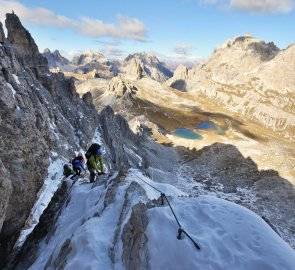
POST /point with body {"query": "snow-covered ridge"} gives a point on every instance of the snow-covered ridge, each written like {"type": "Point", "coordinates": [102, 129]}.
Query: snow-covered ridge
{"type": "Point", "coordinates": [100, 227]}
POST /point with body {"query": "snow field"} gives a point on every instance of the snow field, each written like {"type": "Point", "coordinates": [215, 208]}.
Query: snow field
{"type": "Point", "coordinates": [230, 236]}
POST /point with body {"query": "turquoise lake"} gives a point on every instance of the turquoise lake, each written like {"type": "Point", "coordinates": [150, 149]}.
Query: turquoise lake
{"type": "Point", "coordinates": [187, 134]}
{"type": "Point", "coordinates": [206, 125]}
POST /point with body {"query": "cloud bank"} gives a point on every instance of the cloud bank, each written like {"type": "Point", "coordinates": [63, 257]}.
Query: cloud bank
{"type": "Point", "coordinates": [256, 6]}
{"type": "Point", "coordinates": [183, 49]}
{"type": "Point", "coordinates": [125, 28]}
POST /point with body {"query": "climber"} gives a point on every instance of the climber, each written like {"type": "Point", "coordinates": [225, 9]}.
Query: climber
{"type": "Point", "coordinates": [94, 156]}
{"type": "Point", "coordinates": [78, 165]}
{"type": "Point", "coordinates": [67, 170]}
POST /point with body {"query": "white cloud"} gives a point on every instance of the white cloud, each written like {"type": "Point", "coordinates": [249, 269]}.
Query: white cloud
{"type": "Point", "coordinates": [112, 52]}
{"type": "Point", "coordinates": [183, 49]}
{"type": "Point", "coordinates": [263, 6]}
{"type": "Point", "coordinates": [40, 16]}
{"type": "Point", "coordinates": [256, 6]}
{"type": "Point", "coordinates": [174, 60]}
{"type": "Point", "coordinates": [126, 28]}
{"type": "Point", "coordinates": [130, 28]}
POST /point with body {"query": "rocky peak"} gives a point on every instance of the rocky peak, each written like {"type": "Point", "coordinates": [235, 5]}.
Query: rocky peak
{"type": "Point", "coordinates": [88, 57]}
{"type": "Point", "coordinates": [46, 51]}
{"type": "Point", "coordinates": [143, 57]}
{"type": "Point", "coordinates": [134, 70]}
{"type": "Point", "coordinates": [181, 73]}
{"type": "Point", "coordinates": [55, 59]}
{"type": "Point", "coordinates": [251, 45]}
{"type": "Point", "coordinates": [145, 65]}
{"type": "Point", "coordinates": [22, 40]}
{"type": "Point", "coordinates": [121, 87]}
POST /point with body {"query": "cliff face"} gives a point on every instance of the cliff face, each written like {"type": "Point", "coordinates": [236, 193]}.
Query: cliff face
{"type": "Point", "coordinates": [40, 113]}
{"type": "Point", "coordinates": [25, 44]}
{"type": "Point", "coordinates": [55, 60]}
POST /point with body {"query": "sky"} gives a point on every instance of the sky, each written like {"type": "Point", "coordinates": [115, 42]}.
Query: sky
{"type": "Point", "coordinates": [174, 30]}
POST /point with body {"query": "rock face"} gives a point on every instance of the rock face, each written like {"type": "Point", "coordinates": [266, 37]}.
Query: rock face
{"type": "Point", "coordinates": [181, 73]}
{"type": "Point", "coordinates": [94, 64]}
{"type": "Point", "coordinates": [135, 256]}
{"type": "Point", "coordinates": [250, 77]}
{"type": "Point", "coordinates": [25, 44]}
{"type": "Point", "coordinates": [2, 35]}
{"type": "Point", "coordinates": [88, 57]}
{"type": "Point", "coordinates": [134, 70]}
{"type": "Point", "coordinates": [138, 65]}
{"type": "Point", "coordinates": [55, 59]}
{"type": "Point", "coordinates": [40, 113]}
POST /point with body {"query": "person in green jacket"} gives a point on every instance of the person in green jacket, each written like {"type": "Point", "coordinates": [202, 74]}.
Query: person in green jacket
{"type": "Point", "coordinates": [67, 170]}
{"type": "Point", "coordinates": [92, 165]}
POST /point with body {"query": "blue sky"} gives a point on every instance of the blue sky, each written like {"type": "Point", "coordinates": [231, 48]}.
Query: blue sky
{"type": "Point", "coordinates": [183, 30]}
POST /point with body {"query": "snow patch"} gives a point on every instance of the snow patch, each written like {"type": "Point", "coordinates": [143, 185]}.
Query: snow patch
{"type": "Point", "coordinates": [169, 190]}
{"type": "Point", "coordinates": [132, 153]}
{"type": "Point", "coordinates": [16, 78]}
{"type": "Point", "coordinates": [230, 236]}
{"type": "Point", "coordinates": [12, 89]}
{"type": "Point", "coordinates": [54, 177]}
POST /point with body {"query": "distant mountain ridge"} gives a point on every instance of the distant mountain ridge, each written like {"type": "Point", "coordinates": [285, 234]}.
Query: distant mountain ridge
{"type": "Point", "coordinates": [134, 66]}
{"type": "Point", "coordinates": [55, 59]}
{"type": "Point", "coordinates": [141, 65]}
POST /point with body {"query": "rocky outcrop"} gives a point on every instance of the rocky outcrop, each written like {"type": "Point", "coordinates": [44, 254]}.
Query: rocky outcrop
{"type": "Point", "coordinates": [88, 57]}
{"type": "Point", "coordinates": [223, 170]}
{"type": "Point", "coordinates": [2, 35]}
{"type": "Point", "coordinates": [44, 229]}
{"type": "Point", "coordinates": [91, 65]}
{"type": "Point", "coordinates": [119, 140]}
{"type": "Point", "coordinates": [138, 65]}
{"type": "Point", "coordinates": [21, 39]}
{"type": "Point", "coordinates": [40, 113]}
{"type": "Point", "coordinates": [55, 59]}
{"type": "Point", "coordinates": [181, 74]}
{"type": "Point", "coordinates": [134, 70]}
{"type": "Point", "coordinates": [135, 254]}
{"type": "Point", "coordinates": [5, 192]}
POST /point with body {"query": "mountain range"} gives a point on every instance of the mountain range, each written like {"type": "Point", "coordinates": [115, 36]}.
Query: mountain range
{"type": "Point", "coordinates": [199, 164]}
{"type": "Point", "coordinates": [94, 65]}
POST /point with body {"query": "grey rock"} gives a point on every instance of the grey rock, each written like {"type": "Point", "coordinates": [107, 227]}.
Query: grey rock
{"type": "Point", "coordinates": [44, 229]}
{"type": "Point", "coordinates": [55, 59]}
{"type": "Point", "coordinates": [21, 39]}
{"type": "Point", "coordinates": [139, 65]}
{"type": "Point", "coordinates": [2, 35]}
{"type": "Point", "coordinates": [135, 254]}
{"type": "Point", "coordinates": [39, 113]}
{"type": "Point", "coordinates": [87, 98]}
{"type": "Point", "coordinates": [5, 192]}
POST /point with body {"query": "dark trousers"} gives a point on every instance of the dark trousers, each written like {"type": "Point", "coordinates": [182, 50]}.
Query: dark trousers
{"type": "Point", "coordinates": [92, 175]}
{"type": "Point", "coordinates": [77, 172]}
